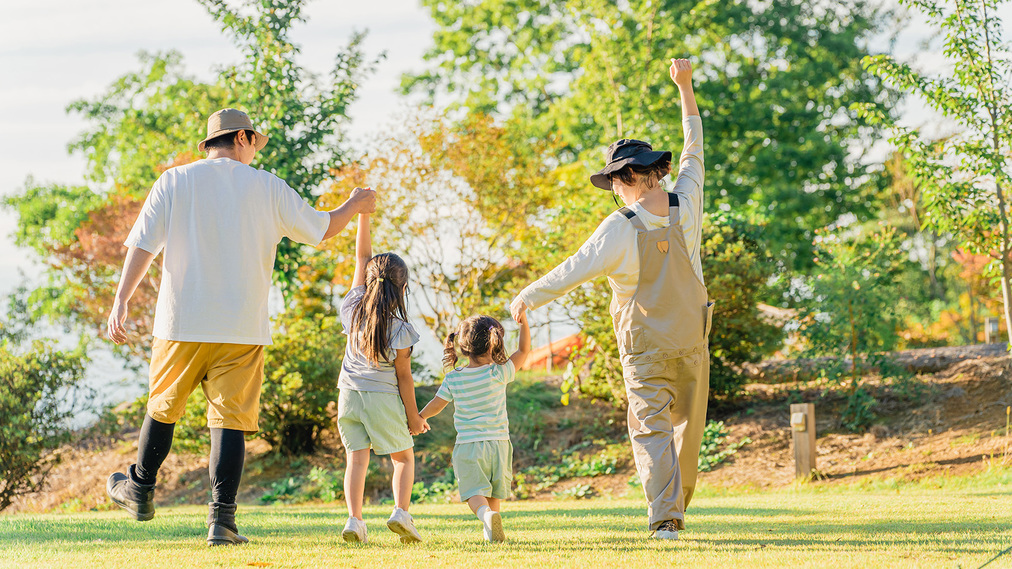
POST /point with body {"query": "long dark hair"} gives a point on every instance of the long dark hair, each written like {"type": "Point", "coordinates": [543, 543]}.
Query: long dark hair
{"type": "Point", "coordinates": [385, 278]}
{"type": "Point", "coordinates": [476, 336]}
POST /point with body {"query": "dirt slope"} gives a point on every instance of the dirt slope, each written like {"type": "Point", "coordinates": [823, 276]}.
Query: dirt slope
{"type": "Point", "coordinates": [955, 423]}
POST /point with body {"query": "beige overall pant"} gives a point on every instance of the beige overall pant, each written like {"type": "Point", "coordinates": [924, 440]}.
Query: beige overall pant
{"type": "Point", "coordinates": [662, 340]}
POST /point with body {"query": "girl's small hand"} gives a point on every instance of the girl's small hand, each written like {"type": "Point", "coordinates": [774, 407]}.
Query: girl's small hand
{"type": "Point", "coordinates": [417, 425]}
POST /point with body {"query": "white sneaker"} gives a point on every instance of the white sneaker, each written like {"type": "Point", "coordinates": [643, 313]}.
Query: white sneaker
{"type": "Point", "coordinates": [400, 522]}
{"type": "Point", "coordinates": [354, 531]}
{"type": "Point", "coordinates": [668, 530]}
{"type": "Point", "coordinates": [492, 526]}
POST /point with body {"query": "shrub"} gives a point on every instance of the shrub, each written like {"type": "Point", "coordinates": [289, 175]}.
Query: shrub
{"type": "Point", "coordinates": [710, 452]}
{"type": "Point", "coordinates": [301, 370]}
{"type": "Point", "coordinates": [40, 392]}
{"type": "Point", "coordinates": [853, 309]}
{"type": "Point", "coordinates": [300, 381]}
{"type": "Point", "coordinates": [738, 271]}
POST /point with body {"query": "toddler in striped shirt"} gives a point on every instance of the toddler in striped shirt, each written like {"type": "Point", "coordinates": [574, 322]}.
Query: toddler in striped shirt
{"type": "Point", "coordinates": [483, 455]}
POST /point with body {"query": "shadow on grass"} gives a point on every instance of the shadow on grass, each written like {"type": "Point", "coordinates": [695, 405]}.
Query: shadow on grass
{"type": "Point", "coordinates": [571, 528]}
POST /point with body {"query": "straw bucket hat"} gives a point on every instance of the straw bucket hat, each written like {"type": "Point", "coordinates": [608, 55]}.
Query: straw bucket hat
{"type": "Point", "coordinates": [227, 121]}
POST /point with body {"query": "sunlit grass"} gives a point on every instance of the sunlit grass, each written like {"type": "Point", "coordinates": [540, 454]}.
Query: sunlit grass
{"type": "Point", "coordinates": [934, 523]}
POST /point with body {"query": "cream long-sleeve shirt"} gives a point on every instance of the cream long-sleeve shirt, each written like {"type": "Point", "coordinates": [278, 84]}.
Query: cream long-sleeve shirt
{"type": "Point", "coordinates": [612, 251]}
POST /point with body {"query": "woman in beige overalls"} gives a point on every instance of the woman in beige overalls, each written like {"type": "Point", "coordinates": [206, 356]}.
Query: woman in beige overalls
{"type": "Point", "coordinates": [649, 250]}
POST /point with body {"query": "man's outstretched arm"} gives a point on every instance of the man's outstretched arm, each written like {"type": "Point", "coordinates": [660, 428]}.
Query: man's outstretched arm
{"type": "Point", "coordinates": [134, 268]}
{"type": "Point", "coordinates": [361, 200]}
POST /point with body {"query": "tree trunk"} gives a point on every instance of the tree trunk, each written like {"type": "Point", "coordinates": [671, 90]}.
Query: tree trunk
{"type": "Point", "coordinates": [1006, 282]}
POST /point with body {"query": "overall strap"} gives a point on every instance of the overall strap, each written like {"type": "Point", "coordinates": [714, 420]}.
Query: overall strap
{"type": "Point", "coordinates": [636, 221]}
{"type": "Point", "coordinates": [673, 208]}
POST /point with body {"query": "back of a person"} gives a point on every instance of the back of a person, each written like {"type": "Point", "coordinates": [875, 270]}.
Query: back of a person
{"type": "Point", "coordinates": [358, 372]}
{"type": "Point", "coordinates": [221, 238]}
{"type": "Point", "coordinates": [479, 398]}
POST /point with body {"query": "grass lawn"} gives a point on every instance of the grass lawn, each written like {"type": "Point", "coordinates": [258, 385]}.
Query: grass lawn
{"type": "Point", "coordinates": [938, 523]}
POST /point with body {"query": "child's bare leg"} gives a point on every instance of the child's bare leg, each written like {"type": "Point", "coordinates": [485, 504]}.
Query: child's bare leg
{"type": "Point", "coordinates": [493, 503]}
{"type": "Point", "coordinates": [404, 477]}
{"type": "Point", "coordinates": [354, 481]}
{"type": "Point", "coordinates": [476, 502]}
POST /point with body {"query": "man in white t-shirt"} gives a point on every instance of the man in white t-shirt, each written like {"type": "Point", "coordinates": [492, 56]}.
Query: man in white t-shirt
{"type": "Point", "coordinates": [217, 222]}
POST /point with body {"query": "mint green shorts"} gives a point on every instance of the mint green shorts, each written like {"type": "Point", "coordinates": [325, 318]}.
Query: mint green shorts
{"type": "Point", "coordinates": [483, 468]}
{"type": "Point", "coordinates": [367, 419]}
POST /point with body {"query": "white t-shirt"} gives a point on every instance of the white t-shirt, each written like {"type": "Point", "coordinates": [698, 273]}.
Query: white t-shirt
{"type": "Point", "coordinates": [219, 222]}
{"type": "Point", "coordinates": [357, 372]}
{"type": "Point", "coordinates": [612, 250]}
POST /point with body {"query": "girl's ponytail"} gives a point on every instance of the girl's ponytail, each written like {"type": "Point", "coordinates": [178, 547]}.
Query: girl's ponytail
{"type": "Point", "coordinates": [449, 352]}
{"type": "Point", "coordinates": [497, 343]}
{"type": "Point", "coordinates": [475, 337]}
{"type": "Point", "coordinates": [373, 319]}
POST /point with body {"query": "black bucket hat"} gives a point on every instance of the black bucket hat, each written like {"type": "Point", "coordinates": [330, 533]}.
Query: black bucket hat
{"type": "Point", "coordinates": [624, 152]}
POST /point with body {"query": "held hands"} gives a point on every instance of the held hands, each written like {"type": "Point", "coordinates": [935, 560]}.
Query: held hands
{"type": "Point", "coordinates": [519, 311]}
{"type": "Point", "coordinates": [364, 199]}
{"type": "Point", "coordinates": [117, 332]}
{"type": "Point", "coordinates": [681, 72]}
{"type": "Point", "coordinates": [417, 425]}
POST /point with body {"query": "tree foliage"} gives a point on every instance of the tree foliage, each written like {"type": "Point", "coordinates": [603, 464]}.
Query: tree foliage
{"type": "Point", "coordinates": [774, 81]}
{"type": "Point", "coordinates": [964, 177]}
{"type": "Point", "coordinates": [457, 200]}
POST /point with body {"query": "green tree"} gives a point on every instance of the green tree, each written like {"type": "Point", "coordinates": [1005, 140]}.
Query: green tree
{"type": "Point", "coordinates": [965, 177]}
{"type": "Point", "coordinates": [854, 308]}
{"type": "Point", "coordinates": [774, 83]}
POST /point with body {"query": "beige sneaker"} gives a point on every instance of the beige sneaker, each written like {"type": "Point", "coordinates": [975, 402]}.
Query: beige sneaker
{"type": "Point", "coordinates": [354, 531]}
{"type": "Point", "coordinates": [492, 526]}
{"type": "Point", "coordinates": [668, 530]}
{"type": "Point", "coordinates": [400, 522]}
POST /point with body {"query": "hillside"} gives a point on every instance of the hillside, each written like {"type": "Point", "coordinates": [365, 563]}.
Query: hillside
{"type": "Point", "coordinates": [951, 421]}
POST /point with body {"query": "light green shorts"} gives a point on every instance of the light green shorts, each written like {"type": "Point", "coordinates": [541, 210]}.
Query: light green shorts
{"type": "Point", "coordinates": [483, 468]}
{"type": "Point", "coordinates": [368, 419]}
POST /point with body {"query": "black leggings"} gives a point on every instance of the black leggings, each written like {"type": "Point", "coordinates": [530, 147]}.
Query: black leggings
{"type": "Point", "coordinates": [228, 453]}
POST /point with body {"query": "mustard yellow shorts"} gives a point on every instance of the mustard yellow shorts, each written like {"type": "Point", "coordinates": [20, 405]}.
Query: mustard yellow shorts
{"type": "Point", "coordinates": [230, 375]}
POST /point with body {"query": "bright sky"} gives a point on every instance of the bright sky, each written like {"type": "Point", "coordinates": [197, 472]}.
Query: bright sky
{"type": "Point", "coordinates": [55, 51]}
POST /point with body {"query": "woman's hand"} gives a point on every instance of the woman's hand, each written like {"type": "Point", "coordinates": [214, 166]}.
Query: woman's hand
{"type": "Point", "coordinates": [518, 310]}
{"type": "Point", "coordinates": [681, 72]}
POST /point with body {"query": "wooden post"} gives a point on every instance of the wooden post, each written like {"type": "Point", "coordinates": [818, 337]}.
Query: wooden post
{"type": "Point", "coordinates": [992, 330]}
{"type": "Point", "coordinates": [803, 429]}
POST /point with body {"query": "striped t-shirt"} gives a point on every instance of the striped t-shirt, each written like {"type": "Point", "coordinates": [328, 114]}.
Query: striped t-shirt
{"type": "Point", "coordinates": [479, 401]}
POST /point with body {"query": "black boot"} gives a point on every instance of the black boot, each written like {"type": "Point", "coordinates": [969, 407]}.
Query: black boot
{"type": "Point", "coordinates": [136, 498]}
{"type": "Point", "coordinates": [221, 528]}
